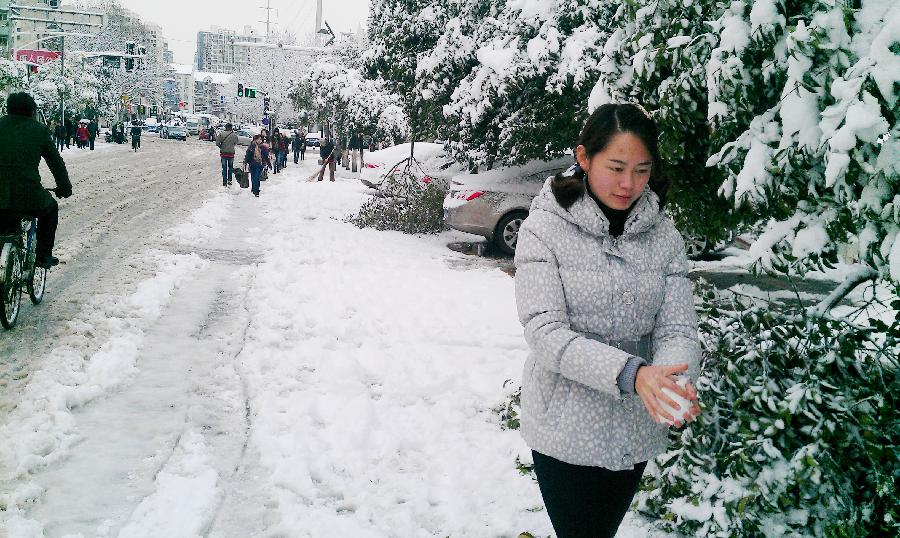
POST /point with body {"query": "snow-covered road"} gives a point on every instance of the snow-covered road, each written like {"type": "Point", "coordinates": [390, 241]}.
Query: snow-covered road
{"type": "Point", "coordinates": [211, 364]}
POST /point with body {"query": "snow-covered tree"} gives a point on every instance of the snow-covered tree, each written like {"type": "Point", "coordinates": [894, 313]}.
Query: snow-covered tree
{"type": "Point", "coordinates": [339, 96]}
{"type": "Point", "coordinates": [12, 78]}
{"type": "Point", "coordinates": [146, 79]}
{"type": "Point", "coordinates": [817, 145]}
{"type": "Point", "coordinates": [273, 71]}
{"type": "Point", "coordinates": [800, 433]}
{"type": "Point", "coordinates": [399, 32]}
{"type": "Point", "coordinates": [77, 86]}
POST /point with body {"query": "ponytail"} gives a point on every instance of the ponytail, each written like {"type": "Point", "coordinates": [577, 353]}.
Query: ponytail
{"type": "Point", "coordinates": [569, 186]}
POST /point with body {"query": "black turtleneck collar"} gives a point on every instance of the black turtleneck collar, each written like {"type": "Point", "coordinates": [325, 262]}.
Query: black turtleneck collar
{"type": "Point", "coordinates": [616, 217]}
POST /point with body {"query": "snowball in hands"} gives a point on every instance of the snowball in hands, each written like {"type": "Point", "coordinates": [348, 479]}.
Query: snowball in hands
{"type": "Point", "coordinates": [680, 413]}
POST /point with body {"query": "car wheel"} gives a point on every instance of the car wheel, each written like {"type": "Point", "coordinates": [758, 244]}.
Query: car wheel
{"type": "Point", "coordinates": [506, 235]}
{"type": "Point", "coordinates": [696, 245]}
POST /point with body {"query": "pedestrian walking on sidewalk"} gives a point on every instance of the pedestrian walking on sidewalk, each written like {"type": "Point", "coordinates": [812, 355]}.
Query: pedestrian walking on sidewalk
{"type": "Point", "coordinates": [92, 132]}
{"type": "Point", "coordinates": [282, 145]}
{"type": "Point", "coordinates": [356, 149]}
{"type": "Point", "coordinates": [82, 135]}
{"type": "Point", "coordinates": [328, 153]}
{"type": "Point", "coordinates": [59, 132]}
{"type": "Point", "coordinates": [298, 143]}
{"type": "Point", "coordinates": [265, 142]}
{"type": "Point", "coordinates": [257, 159]}
{"type": "Point", "coordinates": [603, 294]}
{"type": "Point", "coordinates": [274, 144]}
{"type": "Point", "coordinates": [70, 130]}
{"type": "Point", "coordinates": [135, 135]}
{"type": "Point", "coordinates": [226, 142]}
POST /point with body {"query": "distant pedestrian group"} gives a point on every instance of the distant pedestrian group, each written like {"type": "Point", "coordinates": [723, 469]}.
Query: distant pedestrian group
{"type": "Point", "coordinates": [82, 132]}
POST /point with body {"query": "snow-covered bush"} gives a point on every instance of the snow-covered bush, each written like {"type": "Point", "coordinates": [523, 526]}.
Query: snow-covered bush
{"type": "Point", "coordinates": [800, 430]}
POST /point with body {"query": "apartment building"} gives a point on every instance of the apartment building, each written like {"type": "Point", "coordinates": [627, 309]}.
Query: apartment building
{"type": "Point", "coordinates": [216, 50]}
{"type": "Point", "coordinates": [28, 24]}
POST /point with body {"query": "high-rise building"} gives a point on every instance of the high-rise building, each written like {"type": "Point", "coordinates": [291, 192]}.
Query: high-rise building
{"type": "Point", "coordinates": [216, 50]}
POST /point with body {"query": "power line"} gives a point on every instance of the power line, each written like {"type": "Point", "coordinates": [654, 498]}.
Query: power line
{"type": "Point", "coordinates": [268, 20]}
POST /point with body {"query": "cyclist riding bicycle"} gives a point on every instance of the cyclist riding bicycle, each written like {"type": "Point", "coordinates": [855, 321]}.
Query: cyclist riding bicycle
{"type": "Point", "coordinates": [23, 142]}
{"type": "Point", "coordinates": [135, 135]}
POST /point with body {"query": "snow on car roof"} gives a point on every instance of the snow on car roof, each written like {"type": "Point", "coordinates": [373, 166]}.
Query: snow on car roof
{"type": "Point", "coordinates": [527, 178]}
{"type": "Point", "coordinates": [425, 151]}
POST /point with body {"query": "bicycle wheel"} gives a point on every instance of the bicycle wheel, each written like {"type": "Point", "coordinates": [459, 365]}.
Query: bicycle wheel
{"type": "Point", "coordinates": [37, 284]}
{"type": "Point", "coordinates": [10, 290]}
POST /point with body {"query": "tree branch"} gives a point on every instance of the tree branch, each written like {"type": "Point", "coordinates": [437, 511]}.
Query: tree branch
{"type": "Point", "coordinates": [860, 274]}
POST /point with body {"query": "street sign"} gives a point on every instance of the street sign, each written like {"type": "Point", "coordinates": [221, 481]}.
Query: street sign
{"type": "Point", "coordinates": [265, 121]}
{"type": "Point", "coordinates": [36, 56]}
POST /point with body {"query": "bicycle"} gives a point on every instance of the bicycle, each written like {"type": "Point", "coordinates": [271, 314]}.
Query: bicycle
{"type": "Point", "coordinates": [17, 269]}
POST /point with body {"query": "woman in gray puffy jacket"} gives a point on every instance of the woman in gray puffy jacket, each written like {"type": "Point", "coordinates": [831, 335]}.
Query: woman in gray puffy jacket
{"type": "Point", "coordinates": [608, 311]}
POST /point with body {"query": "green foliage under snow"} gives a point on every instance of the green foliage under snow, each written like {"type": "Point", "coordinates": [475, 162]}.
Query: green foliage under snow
{"type": "Point", "coordinates": [409, 206]}
{"type": "Point", "coordinates": [800, 429]}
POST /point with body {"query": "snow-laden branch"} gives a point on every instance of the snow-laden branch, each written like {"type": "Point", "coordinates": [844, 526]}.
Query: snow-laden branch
{"type": "Point", "coordinates": [860, 274]}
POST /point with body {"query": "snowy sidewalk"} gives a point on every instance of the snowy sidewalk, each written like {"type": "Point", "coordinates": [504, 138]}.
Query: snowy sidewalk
{"type": "Point", "coordinates": [371, 368]}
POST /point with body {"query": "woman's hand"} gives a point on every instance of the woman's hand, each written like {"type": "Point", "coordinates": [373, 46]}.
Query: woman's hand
{"type": "Point", "coordinates": [649, 382]}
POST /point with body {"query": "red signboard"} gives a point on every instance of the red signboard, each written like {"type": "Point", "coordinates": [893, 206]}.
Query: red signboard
{"type": "Point", "coordinates": [36, 56]}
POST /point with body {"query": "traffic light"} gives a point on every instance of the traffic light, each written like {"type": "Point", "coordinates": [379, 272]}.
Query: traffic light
{"type": "Point", "coordinates": [153, 110]}
{"type": "Point", "coordinates": [266, 104]}
{"type": "Point", "coordinates": [142, 110]}
{"type": "Point", "coordinates": [240, 90]}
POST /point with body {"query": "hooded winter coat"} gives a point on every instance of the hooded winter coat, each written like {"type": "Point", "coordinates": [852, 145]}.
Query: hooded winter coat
{"type": "Point", "coordinates": [585, 298]}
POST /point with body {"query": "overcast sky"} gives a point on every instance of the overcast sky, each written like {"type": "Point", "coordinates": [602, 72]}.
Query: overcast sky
{"type": "Point", "coordinates": [182, 19]}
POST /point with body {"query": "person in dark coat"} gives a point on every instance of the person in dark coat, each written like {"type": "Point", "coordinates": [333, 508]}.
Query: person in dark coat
{"type": "Point", "coordinates": [328, 153]}
{"type": "Point", "coordinates": [23, 142]}
{"type": "Point", "coordinates": [70, 130]}
{"type": "Point", "coordinates": [59, 131]}
{"type": "Point", "coordinates": [257, 158]}
{"type": "Point", "coordinates": [356, 152]}
{"type": "Point", "coordinates": [92, 131]}
{"type": "Point", "coordinates": [135, 135]}
{"type": "Point", "coordinates": [297, 144]}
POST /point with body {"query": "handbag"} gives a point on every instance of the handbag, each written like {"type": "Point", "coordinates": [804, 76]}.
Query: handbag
{"type": "Point", "coordinates": [242, 177]}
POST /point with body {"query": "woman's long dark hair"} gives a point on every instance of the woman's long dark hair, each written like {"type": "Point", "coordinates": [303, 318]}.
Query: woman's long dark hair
{"type": "Point", "coordinates": [599, 129]}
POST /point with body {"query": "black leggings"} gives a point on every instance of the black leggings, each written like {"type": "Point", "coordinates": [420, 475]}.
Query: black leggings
{"type": "Point", "coordinates": [585, 502]}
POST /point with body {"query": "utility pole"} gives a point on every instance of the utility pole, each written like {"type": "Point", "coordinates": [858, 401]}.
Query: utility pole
{"type": "Point", "coordinates": [318, 16]}
{"type": "Point", "coordinates": [268, 20]}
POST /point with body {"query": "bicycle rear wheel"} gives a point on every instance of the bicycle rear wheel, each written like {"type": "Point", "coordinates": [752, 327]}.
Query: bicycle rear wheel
{"type": "Point", "coordinates": [10, 290]}
{"type": "Point", "coordinates": [37, 284]}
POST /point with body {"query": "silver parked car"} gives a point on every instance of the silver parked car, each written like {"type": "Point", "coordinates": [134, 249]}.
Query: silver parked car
{"type": "Point", "coordinates": [493, 204]}
{"type": "Point", "coordinates": [244, 137]}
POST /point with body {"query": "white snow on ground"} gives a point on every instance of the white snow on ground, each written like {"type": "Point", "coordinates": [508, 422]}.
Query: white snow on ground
{"type": "Point", "coordinates": [371, 364]}
{"type": "Point", "coordinates": [44, 426]}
